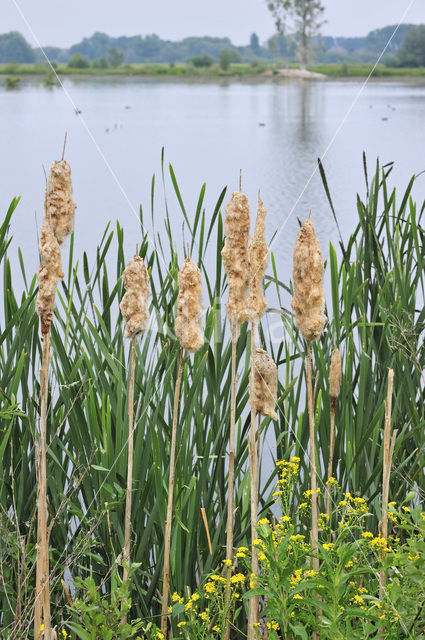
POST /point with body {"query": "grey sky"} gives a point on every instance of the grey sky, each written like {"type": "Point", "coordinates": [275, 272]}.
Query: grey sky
{"type": "Point", "coordinates": [62, 23]}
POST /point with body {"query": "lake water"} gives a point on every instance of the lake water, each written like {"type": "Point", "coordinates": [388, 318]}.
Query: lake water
{"type": "Point", "coordinates": [274, 132]}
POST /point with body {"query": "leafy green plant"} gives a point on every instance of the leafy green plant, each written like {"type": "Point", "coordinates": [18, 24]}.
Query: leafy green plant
{"type": "Point", "coordinates": [96, 616]}
{"type": "Point", "coordinates": [342, 599]}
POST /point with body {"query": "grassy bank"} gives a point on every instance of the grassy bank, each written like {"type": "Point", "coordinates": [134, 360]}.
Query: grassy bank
{"type": "Point", "coordinates": [256, 70]}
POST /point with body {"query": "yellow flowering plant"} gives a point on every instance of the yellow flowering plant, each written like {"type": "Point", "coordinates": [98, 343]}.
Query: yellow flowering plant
{"type": "Point", "coordinates": [203, 614]}
{"type": "Point", "coordinates": [344, 598]}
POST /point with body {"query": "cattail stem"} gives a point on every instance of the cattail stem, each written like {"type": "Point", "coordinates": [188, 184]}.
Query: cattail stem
{"type": "Point", "coordinates": [313, 486]}
{"type": "Point", "coordinates": [331, 456]}
{"type": "Point", "coordinates": [127, 524]}
{"type": "Point", "coordinates": [386, 470]}
{"type": "Point", "coordinates": [231, 480]}
{"type": "Point", "coordinates": [42, 590]}
{"type": "Point", "coordinates": [253, 602]}
{"type": "Point", "coordinates": [167, 536]}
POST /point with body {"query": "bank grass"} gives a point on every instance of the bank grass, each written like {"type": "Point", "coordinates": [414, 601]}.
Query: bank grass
{"type": "Point", "coordinates": [136, 69]}
{"type": "Point", "coordinates": [375, 316]}
{"type": "Point", "coordinates": [362, 70]}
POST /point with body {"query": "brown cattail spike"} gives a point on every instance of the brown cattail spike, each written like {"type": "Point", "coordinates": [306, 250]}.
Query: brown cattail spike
{"type": "Point", "coordinates": [189, 307]}
{"type": "Point", "coordinates": [235, 257]}
{"type": "Point", "coordinates": [134, 305]}
{"type": "Point", "coordinates": [258, 253]}
{"type": "Point", "coordinates": [335, 376]}
{"type": "Point", "coordinates": [265, 384]}
{"type": "Point", "coordinates": [59, 203]}
{"type": "Point", "coordinates": [309, 294]}
{"type": "Point", "coordinates": [50, 272]}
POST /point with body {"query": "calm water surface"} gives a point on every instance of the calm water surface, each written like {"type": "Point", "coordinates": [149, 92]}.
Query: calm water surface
{"type": "Point", "coordinates": [273, 132]}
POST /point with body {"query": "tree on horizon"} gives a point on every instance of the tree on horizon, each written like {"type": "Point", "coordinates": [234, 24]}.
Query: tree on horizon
{"type": "Point", "coordinates": [302, 15]}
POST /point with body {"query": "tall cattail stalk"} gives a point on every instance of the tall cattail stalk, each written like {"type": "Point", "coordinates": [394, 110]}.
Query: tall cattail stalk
{"type": "Point", "coordinates": [134, 308]}
{"type": "Point", "coordinates": [309, 303]}
{"type": "Point", "coordinates": [188, 330]}
{"type": "Point", "coordinates": [236, 265]}
{"type": "Point", "coordinates": [263, 392]}
{"type": "Point", "coordinates": [258, 253]}
{"type": "Point", "coordinates": [59, 211]}
{"type": "Point", "coordinates": [334, 388]}
{"type": "Point", "coordinates": [386, 469]}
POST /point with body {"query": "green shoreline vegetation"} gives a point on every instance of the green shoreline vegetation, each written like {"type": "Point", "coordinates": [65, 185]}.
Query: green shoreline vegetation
{"type": "Point", "coordinates": [256, 70]}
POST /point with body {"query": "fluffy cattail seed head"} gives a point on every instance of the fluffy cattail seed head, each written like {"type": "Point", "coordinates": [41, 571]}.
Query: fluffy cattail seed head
{"type": "Point", "coordinates": [50, 272]}
{"type": "Point", "coordinates": [235, 257]}
{"type": "Point", "coordinates": [59, 203]}
{"type": "Point", "coordinates": [258, 253]}
{"type": "Point", "coordinates": [134, 305]}
{"type": "Point", "coordinates": [309, 294]}
{"type": "Point", "coordinates": [265, 383]}
{"type": "Point", "coordinates": [335, 373]}
{"type": "Point", "coordinates": [189, 307]}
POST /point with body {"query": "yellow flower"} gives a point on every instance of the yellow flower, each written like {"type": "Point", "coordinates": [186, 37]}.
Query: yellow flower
{"type": "Point", "coordinates": [41, 628]}
{"type": "Point", "coordinates": [204, 616]}
{"type": "Point", "coordinates": [237, 578]}
{"type": "Point", "coordinates": [328, 546]}
{"type": "Point", "coordinates": [297, 596]}
{"type": "Point", "coordinates": [227, 562]}
{"type": "Point", "coordinates": [176, 598]}
{"type": "Point", "coordinates": [367, 534]}
{"type": "Point", "coordinates": [332, 481]}
{"type": "Point", "coordinates": [263, 521]}
{"type": "Point", "coordinates": [181, 624]}
{"type": "Point", "coordinates": [210, 587]}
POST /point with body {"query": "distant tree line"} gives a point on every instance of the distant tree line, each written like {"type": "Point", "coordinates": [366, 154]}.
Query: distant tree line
{"type": "Point", "coordinates": [407, 48]}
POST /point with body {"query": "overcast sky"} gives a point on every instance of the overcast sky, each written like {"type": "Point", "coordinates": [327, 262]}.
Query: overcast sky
{"type": "Point", "coordinates": [65, 22]}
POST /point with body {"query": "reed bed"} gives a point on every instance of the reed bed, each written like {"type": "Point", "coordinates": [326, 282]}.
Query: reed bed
{"type": "Point", "coordinates": [375, 315]}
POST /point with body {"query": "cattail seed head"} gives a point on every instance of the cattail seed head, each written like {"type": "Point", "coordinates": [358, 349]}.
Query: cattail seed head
{"type": "Point", "coordinates": [134, 304]}
{"type": "Point", "coordinates": [59, 203]}
{"type": "Point", "coordinates": [50, 272]}
{"type": "Point", "coordinates": [189, 307]}
{"type": "Point", "coordinates": [235, 257]}
{"type": "Point", "coordinates": [309, 294]}
{"type": "Point", "coordinates": [258, 253]}
{"type": "Point", "coordinates": [265, 383]}
{"type": "Point", "coordinates": [335, 373]}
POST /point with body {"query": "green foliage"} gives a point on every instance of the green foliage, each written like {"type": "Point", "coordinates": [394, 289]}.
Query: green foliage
{"type": "Point", "coordinates": [342, 600]}
{"type": "Point", "coordinates": [115, 57]}
{"type": "Point", "coordinates": [96, 617]}
{"type": "Point", "coordinates": [201, 61]}
{"type": "Point", "coordinates": [78, 61]}
{"type": "Point", "coordinates": [412, 51]}
{"type": "Point", "coordinates": [14, 48]}
{"type": "Point", "coordinates": [12, 82]}
{"type": "Point", "coordinates": [227, 57]}
{"type": "Point", "coordinates": [100, 63]}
